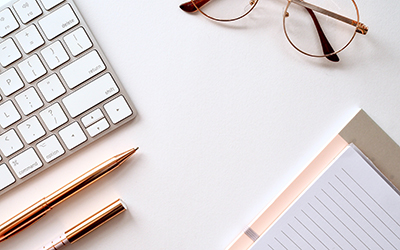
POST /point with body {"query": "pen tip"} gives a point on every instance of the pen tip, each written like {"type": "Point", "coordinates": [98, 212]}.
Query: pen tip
{"type": "Point", "coordinates": [125, 155]}
{"type": "Point", "coordinates": [131, 151]}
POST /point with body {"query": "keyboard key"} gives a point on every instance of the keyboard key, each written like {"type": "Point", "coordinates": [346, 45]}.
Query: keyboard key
{"type": "Point", "coordinates": [118, 109]}
{"type": "Point", "coordinates": [98, 127]}
{"type": "Point", "coordinates": [50, 148]}
{"type": "Point", "coordinates": [8, 114]}
{"type": "Point", "coordinates": [78, 41]}
{"type": "Point", "coordinates": [48, 4]}
{"type": "Point", "coordinates": [9, 52]}
{"type": "Point", "coordinates": [90, 95]}
{"type": "Point", "coordinates": [31, 129]}
{"type": "Point", "coordinates": [51, 87]}
{"type": "Point", "coordinates": [10, 82]}
{"type": "Point", "coordinates": [6, 177]}
{"type": "Point", "coordinates": [29, 101]}
{"type": "Point", "coordinates": [7, 22]}
{"type": "Point", "coordinates": [27, 10]}
{"type": "Point", "coordinates": [58, 21]}
{"type": "Point", "coordinates": [92, 117]}
{"type": "Point", "coordinates": [10, 143]}
{"type": "Point", "coordinates": [55, 55]}
{"type": "Point", "coordinates": [82, 69]}
{"type": "Point", "coordinates": [72, 135]}
{"type": "Point", "coordinates": [29, 39]}
{"type": "Point", "coordinates": [25, 163]}
{"type": "Point", "coordinates": [53, 116]}
{"type": "Point", "coordinates": [50, 67]}
{"type": "Point", "coordinates": [32, 68]}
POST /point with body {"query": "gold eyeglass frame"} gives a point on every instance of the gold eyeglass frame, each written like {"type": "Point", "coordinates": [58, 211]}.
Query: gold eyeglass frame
{"type": "Point", "coordinates": [252, 2]}
{"type": "Point", "coordinates": [358, 26]}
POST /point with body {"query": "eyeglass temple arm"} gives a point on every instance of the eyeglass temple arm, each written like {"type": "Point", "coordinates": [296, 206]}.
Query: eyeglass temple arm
{"type": "Point", "coordinates": [326, 46]}
{"type": "Point", "coordinates": [360, 27]}
{"type": "Point", "coordinates": [189, 6]}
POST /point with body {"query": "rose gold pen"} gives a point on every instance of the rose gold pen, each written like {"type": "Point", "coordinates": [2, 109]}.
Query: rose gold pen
{"type": "Point", "coordinates": [86, 226]}
{"type": "Point", "coordinates": [33, 213]}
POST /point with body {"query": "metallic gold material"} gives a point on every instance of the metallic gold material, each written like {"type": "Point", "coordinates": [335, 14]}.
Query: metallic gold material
{"type": "Point", "coordinates": [359, 27]}
{"type": "Point", "coordinates": [23, 219]}
{"type": "Point", "coordinates": [195, 5]}
{"type": "Point", "coordinates": [252, 3]}
{"type": "Point", "coordinates": [39, 209]}
{"type": "Point", "coordinates": [95, 221]}
{"type": "Point", "coordinates": [362, 28]}
{"type": "Point", "coordinates": [86, 226]}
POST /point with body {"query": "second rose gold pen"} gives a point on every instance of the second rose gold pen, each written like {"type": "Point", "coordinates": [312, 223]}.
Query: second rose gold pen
{"type": "Point", "coordinates": [86, 226]}
{"type": "Point", "coordinates": [33, 213]}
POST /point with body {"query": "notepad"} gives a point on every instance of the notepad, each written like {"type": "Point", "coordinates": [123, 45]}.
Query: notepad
{"type": "Point", "coordinates": [368, 141]}
{"type": "Point", "coordinates": [349, 206]}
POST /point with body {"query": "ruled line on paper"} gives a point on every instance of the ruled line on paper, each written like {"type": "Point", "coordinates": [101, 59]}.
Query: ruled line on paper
{"type": "Point", "coordinates": [290, 239]}
{"type": "Point", "coordinates": [343, 209]}
{"type": "Point", "coordinates": [369, 222]}
{"type": "Point", "coordinates": [341, 221]}
{"type": "Point", "coordinates": [281, 244]}
{"type": "Point", "coordinates": [355, 222]}
{"type": "Point", "coordinates": [301, 236]}
{"type": "Point", "coordinates": [322, 230]}
{"type": "Point", "coordinates": [379, 205]}
{"type": "Point", "coordinates": [330, 224]}
{"type": "Point", "coordinates": [311, 233]}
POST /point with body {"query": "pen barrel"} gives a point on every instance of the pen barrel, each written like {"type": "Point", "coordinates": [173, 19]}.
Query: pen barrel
{"type": "Point", "coordinates": [24, 219]}
{"type": "Point", "coordinates": [86, 179]}
{"type": "Point", "coordinates": [95, 221]}
{"type": "Point", "coordinates": [39, 209]}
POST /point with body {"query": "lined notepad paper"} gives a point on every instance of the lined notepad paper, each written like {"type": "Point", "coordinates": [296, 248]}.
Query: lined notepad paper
{"type": "Point", "coordinates": [349, 206]}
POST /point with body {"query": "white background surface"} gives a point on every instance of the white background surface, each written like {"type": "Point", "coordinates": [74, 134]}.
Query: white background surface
{"type": "Point", "coordinates": [228, 115]}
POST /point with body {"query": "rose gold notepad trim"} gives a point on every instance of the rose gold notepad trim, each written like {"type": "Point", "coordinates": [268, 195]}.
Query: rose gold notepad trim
{"type": "Point", "coordinates": [295, 188]}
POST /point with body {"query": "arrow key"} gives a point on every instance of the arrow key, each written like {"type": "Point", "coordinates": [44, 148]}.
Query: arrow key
{"type": "Point", "coordinates": [118, 109]}
{"type": "Point", "coordinates": [92, 117]}
{"type": "Point", "coordinates": [98, 127]}
{"type": "Point", "coordinates": [72, 135]}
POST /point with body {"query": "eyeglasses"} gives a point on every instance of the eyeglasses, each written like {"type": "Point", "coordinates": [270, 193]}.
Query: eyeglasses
{"type": "Point", "coordinates": [302, 22]}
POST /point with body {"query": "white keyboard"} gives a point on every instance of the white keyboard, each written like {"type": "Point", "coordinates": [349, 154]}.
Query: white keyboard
{"type": "Point", "coordinates": [58, 92]}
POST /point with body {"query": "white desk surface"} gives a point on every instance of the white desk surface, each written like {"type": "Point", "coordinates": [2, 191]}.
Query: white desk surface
{"type": "Point", "coordinates": [228, 115]}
